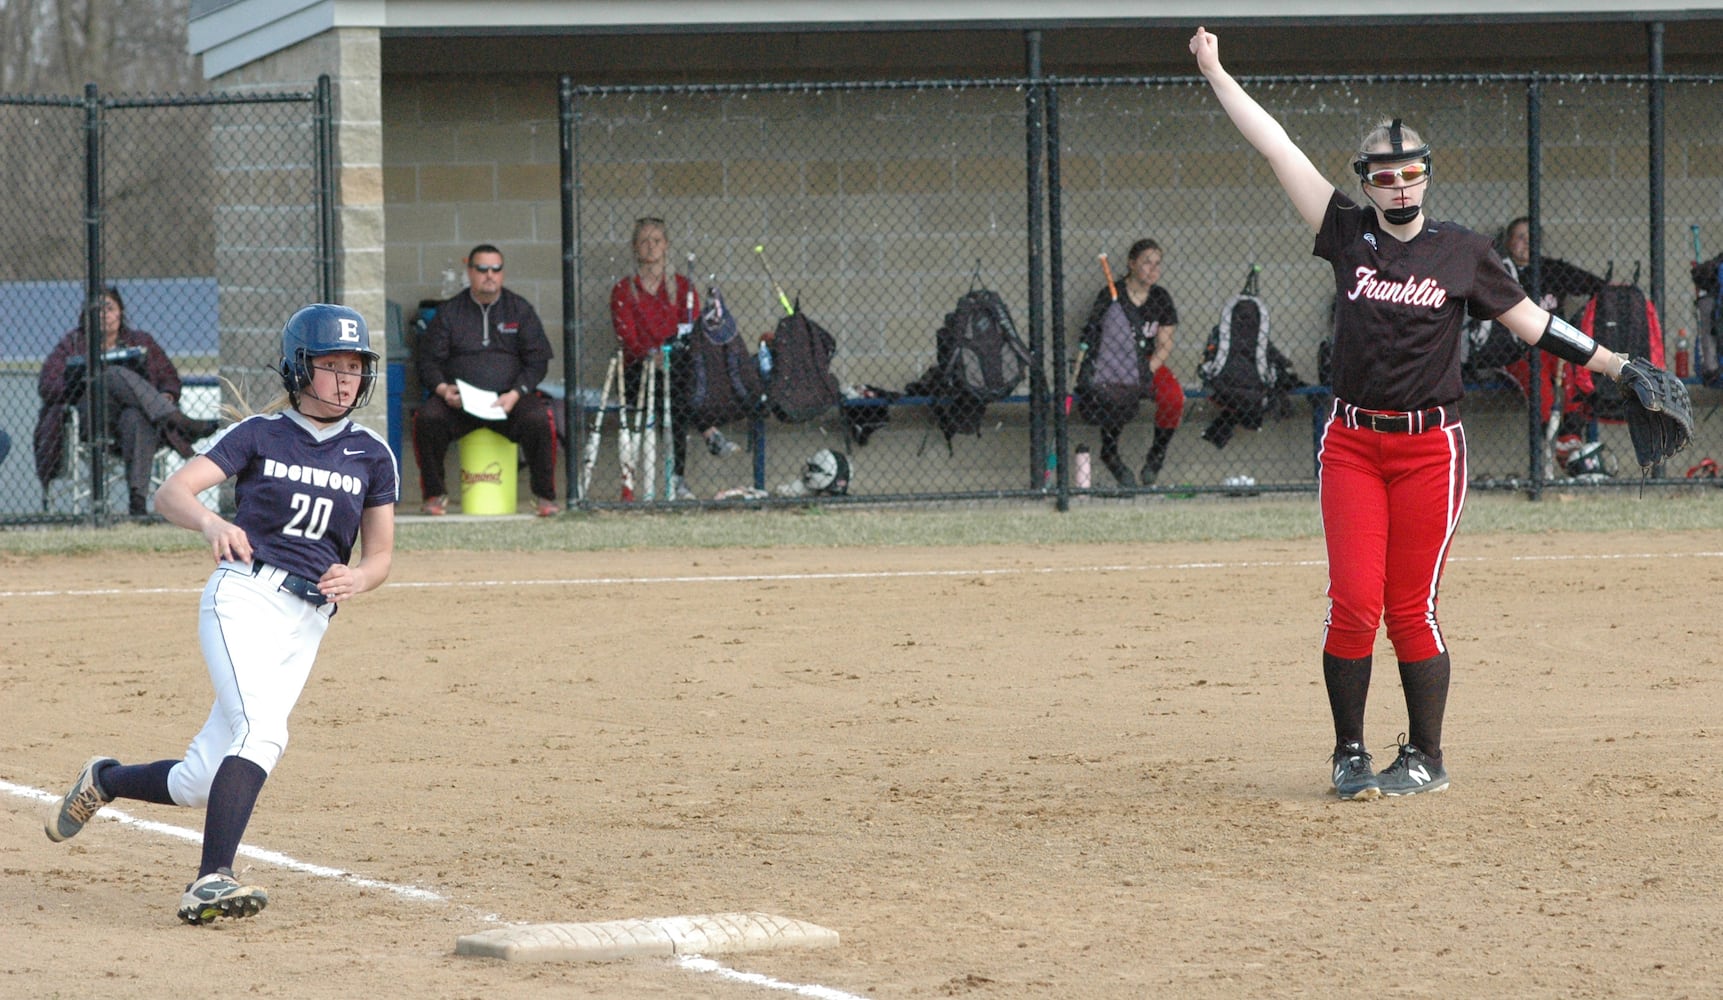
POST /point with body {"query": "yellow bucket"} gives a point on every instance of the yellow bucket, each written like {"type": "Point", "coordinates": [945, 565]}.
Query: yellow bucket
{"type": "Point", "coordinates": [488, 473]}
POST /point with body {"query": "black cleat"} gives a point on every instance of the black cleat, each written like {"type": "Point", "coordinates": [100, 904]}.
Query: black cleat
{"type": "Point", "coordinates": [1413, 772]}
{"type": "Point", "coordinates": [1353, 778]}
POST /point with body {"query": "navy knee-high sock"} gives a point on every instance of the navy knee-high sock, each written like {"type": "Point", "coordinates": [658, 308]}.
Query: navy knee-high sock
{"type": "Point", "coordinates": [1425, 683]}
{"type": "Point", "coordinates": [144, 782]}
{"type": "Point", "coordinates": [1348, 683]}
{"type": "Point", "coordinates": [232, 795]}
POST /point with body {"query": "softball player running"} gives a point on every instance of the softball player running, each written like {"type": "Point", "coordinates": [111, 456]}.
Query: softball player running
{"type": "Point", "coordinates": [1393, 456]}
{"type": "Point", "coordinates": [308, 482]}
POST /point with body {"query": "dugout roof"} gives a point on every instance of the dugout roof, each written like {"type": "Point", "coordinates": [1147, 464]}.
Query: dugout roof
{"type": "Point", "coordinates": [805, 38]}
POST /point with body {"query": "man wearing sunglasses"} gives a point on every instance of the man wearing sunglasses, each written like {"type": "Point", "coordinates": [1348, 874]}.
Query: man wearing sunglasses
{"type": "Point", "coordinates": [490, 338]}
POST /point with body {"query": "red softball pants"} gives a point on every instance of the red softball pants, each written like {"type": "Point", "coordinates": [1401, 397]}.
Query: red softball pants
{"type": "Point", "coordinates": [1390, 505]}
{"type": "Point", "coordinates": [1169, 399]}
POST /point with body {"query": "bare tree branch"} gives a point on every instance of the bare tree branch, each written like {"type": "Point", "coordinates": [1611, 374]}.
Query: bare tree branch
{"type": "Point", "coordinates": [133, 46]}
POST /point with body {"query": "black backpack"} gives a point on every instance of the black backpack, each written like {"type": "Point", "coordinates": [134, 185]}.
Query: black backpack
{"type": "Point", "coordinates": [1489, 345]}
{"type": "Point", "coordinates": [1242, 371]}
{"type": "Point", "coordinates": [716, 379]}
{"type": "Point", "coordinates": [979, 358]}
{"type": "Point", "coordinates": [1622, 319]}
{"type": "Point", "coordinates": [800, 385]}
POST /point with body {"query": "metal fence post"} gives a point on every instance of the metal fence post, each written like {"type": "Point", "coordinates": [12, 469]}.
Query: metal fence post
{"type": "Point", "coordinates": [96, 400]}
{"type": "Point", "coordinates": [1056, 456]}
{"type": "Point", "coordinates": [324, 116]}
{"type": "Point", "coordinates": [573, 405]}
{"type": "Point", "coordinates": [1533, 283]}
{"type": "Point", "coordinates": [1036, 129]}
{"type": "Point", "coordinates": [1655, 169]}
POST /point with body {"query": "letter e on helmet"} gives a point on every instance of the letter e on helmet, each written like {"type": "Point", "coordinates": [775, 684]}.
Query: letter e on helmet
{"type": "Point", "coordinates": [325, 329]}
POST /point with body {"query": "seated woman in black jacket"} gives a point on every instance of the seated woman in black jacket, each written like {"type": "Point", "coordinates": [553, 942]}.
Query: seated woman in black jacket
{"type": "Point", "coordinates": [142, 395]}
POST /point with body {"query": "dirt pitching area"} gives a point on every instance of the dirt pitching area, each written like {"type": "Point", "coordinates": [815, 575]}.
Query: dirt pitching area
{"type": "Point", "coordinates": [1059, 771]}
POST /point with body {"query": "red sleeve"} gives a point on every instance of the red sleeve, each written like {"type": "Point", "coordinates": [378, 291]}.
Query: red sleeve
{"type": "Point", "coordinates": [626, 320]}
{"type": "Point", "coordinates": [643, 322]}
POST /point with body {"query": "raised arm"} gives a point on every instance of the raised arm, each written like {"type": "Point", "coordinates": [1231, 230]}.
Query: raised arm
{"type": "Point", "coordinates": [1303, 183]}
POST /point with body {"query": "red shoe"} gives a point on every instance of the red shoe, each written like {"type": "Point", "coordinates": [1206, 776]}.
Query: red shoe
{"type": "Point", "coordinates": [548, 508]}
{"type": "Point", "coordinates": [435, 506]}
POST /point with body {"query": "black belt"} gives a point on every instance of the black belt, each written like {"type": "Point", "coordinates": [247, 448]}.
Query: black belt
{"type": "Point", "coordinates": [1395, 421]}
{"type": "Point", "coordinates": [298, 586]}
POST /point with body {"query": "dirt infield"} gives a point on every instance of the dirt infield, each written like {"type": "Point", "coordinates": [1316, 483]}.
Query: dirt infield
{"type": "Point", "coordinates": [996, 772]}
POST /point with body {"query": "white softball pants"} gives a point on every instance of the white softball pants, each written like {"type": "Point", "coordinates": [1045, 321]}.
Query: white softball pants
{"type": "Point", "coordinates": [259, 643]}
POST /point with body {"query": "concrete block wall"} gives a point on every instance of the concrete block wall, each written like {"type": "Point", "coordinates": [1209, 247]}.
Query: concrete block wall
{"type": "Point", "coordinates": [875, 206]}
{"type": "Point", "coordinates": [351, 58]}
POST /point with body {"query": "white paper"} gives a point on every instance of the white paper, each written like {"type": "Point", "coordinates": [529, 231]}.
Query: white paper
{"type": "Point", "coordinates": [481, 403]}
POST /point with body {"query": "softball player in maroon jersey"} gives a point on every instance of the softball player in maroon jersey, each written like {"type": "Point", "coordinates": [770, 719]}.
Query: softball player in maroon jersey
{"type": "Point", "coordinates": [308, 483]}
{"type": "Point", "coordinates": [1393, 456]}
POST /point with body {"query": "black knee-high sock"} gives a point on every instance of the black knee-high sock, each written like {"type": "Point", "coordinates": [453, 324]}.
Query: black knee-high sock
{"type": "Point", "coordinates": [1348, 683]}
{"type": "Point", "coordinates": [145, 782]}
{"type": "Point", "coordinates": [1158, 450]}
{"type": "Point", "coordinates": [232, 795]}
{"type": "Point", "coordinates": [1110, 447]}
{"type": "Point", "coordinates": [1426, 685]}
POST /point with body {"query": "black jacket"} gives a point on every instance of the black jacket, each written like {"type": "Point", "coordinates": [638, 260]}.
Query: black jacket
{"type": "Point", "coordinates": [498, 348]}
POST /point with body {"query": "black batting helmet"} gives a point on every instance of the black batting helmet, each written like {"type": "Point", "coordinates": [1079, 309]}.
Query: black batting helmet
{"type": "Point", "coordinates": [325, 329]}
{"type": "Point", "coordinates": [1396, 151]}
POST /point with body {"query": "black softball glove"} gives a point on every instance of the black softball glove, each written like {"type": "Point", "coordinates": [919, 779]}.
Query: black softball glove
{"type": "Point", "coordinates": [1659, 412]}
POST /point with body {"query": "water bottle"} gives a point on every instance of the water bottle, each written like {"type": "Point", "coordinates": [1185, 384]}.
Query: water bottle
{"type": "Point", "coordinates": [1683, 355]}
{"type": "Point", "coordinates": [765, 359]}
{"type": "Point", "coordinates": [1080, 467]}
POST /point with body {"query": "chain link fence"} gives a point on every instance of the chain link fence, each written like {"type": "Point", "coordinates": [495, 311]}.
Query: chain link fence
{"type": "Point", "coordinates": [205, 213]}
{"type": "Point", "coordinates": [876, 207]}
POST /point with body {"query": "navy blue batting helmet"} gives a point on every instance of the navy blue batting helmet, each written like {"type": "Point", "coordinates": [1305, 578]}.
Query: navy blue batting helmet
{"type": "Point", "coordinates": [325, 329]}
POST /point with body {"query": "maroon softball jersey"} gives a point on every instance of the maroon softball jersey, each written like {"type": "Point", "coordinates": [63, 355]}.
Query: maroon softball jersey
{"type": "Point", "coordinates": [1400, 307]}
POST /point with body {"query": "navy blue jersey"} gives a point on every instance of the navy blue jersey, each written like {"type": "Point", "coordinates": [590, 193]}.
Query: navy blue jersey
{"type": "Point", "coordinates": [301, 490]}
{"type": "Point", "coordinates": [1400, 311]}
